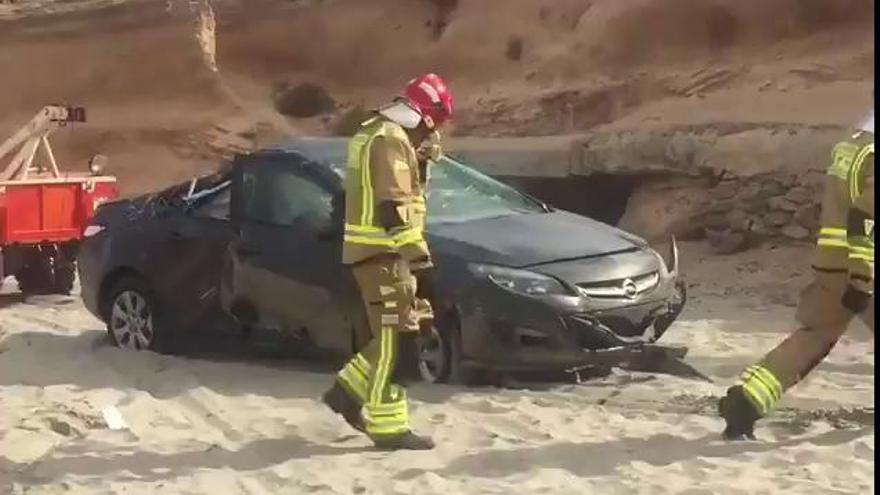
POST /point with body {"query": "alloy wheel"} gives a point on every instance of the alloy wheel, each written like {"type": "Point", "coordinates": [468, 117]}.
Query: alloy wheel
{"type": "Point", "coordinates": [131, 321]}
{"type": "Point", "coordinates": [433, 357]}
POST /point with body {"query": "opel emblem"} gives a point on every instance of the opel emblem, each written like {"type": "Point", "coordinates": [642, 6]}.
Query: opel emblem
{"type": "Point", "coordinates": [629, 289]}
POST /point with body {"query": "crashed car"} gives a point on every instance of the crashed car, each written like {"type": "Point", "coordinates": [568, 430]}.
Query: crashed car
{"type": "Point", "coordinates": [521, 285]}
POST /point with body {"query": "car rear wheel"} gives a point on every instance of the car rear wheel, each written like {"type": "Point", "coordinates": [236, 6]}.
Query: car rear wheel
{"type": "Point", "coordinates": [132, 317]}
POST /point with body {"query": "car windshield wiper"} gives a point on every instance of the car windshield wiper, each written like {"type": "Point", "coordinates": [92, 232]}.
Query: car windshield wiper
{"type": "Point", "coordinates": [544, 206]}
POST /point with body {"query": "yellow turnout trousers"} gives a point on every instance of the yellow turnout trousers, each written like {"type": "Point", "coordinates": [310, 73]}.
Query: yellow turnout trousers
{"type": "Point", "coordinates": [388, 290]}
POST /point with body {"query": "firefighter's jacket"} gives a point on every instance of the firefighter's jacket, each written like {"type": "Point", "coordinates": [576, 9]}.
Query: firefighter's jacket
{"type": "Point", "coordinates": [382, 166]}
{"type": "Point", "coordinates": [846, 238]}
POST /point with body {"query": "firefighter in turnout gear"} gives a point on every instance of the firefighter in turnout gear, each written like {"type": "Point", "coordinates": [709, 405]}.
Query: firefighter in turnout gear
{"type": "Point", "coordinates": [842, 288]}
{"type": "Point", "coordinates": [386, 249]}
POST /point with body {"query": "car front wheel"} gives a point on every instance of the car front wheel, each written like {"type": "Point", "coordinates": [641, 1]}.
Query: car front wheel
{"type": "Point", "coordinates": [434, 357]}
{"type": "Point", "coordinates": [132, 317]}
{"type": "Point", "coordinates": [440, 356]}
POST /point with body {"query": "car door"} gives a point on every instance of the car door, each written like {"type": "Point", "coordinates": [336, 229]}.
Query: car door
{"type": "Point", "coordinates": [287, 257]}
{"type": "Point", "coordinates": [198, 236]}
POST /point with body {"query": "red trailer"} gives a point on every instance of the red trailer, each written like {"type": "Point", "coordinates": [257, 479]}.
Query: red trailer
{"type": "Point", "coordinates": [43, 211]}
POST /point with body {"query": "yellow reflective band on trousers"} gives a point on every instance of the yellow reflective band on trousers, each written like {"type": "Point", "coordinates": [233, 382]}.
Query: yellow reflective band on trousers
{"type": "Point", "coordinates": [355, 377]}
{"type": "Point", "coordinates": [833, 238]}
{"type": "Point", "coordinates": [386, 410]}
{"type": "Point", "coordinates": [762, 387]}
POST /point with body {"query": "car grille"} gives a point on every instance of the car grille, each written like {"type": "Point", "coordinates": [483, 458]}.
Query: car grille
{"type": "Point", "coordinates": [624, 288]}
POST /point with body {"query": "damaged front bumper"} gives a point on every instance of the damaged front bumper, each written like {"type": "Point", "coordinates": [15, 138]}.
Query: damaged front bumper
{"type": "Point", "coordinates": [510, 332]}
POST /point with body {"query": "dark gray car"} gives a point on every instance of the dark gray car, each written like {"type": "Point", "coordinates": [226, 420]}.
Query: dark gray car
{"type": "Point", "coordinates": [521, 286]}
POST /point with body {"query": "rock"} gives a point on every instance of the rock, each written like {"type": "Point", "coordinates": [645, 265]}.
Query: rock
{"type": "Point", "coordinates": [772, 188]}
{"type": "Point", "coordinates": [813, 179]}
{"type": "Point", "coordinates": [759, 228]}
{"type": "Point", "coordinates": [808, 216]}
{"type": "Point", "coordinates": [738, 220]}
{"type": "Point", "coordinates": [62, 428]}
{"type": "Point", "coordinates": [750, 191]}
{"type": "Point", "coordinates": [721, 206]}
{"type": "Point", "coordinates": [726, 241]}
{"type": "Point", "coordinates": [776, 218]}
{"type": "Point", "coordinates": [753, 206]}
{"type": "Point", "coordinates": [783, 204]}
{"type": "Point", "coordinates": [795, 232]}
{"type": "Point", "coordinates": [725, 190]}
{"type": "Point", "coordinates": [788, 181]}
{"type": "Point", "coordinates": [799, 195]}
{"type": "Point", "coordinates": [664, 207]}
{"type": "Point", "coordinates": [715, 221]}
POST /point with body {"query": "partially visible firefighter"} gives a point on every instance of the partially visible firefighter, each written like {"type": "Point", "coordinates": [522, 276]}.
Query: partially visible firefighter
{"type": "Point", "coordinates": [386, 249]}
{"type": "Point", "coordinates": [842, 288]}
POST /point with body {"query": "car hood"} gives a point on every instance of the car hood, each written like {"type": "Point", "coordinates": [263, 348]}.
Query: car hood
{"type": "Point", "coordinates": [529, 239]}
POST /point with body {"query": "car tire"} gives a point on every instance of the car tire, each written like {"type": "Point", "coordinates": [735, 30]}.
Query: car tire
{"type": "Point", "coordinates": [434, 357]}
{"type": "Point", "coordinates": [451, 368]}
{"type": "Point", "coordinates": [134, 320]}
{"type": "Point", "coordinates": [662, 324]}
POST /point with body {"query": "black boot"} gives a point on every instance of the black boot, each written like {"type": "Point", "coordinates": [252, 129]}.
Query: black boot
{"type": "Point", "coordinates": [739, 414]}
{"type": "Point", "coordinates": [341, 403]}
{"type": "Point", "coordinates": [407, 441]}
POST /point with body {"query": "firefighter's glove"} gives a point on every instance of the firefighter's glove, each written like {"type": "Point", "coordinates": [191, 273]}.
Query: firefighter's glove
{"type": "Point", "coordinates": [855, 300]}
{"type": "Point", "coordinates": [430, 149]}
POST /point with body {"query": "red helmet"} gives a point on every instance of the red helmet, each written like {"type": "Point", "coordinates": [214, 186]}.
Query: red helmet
{"type": "Point", "coordinates": [430, 96]}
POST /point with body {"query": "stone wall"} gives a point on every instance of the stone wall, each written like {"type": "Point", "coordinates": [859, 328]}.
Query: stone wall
{"type": "Point", "coordinates": [735, 184]}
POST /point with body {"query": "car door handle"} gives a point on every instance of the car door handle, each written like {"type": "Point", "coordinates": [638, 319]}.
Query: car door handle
{"type": "Point", "coordinates": [176, 235]}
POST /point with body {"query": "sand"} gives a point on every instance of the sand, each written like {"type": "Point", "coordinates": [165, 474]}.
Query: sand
{"type": "Point", "coordinates": [172, 91]}
{"type": "Point", "coordinates": [234, 422]}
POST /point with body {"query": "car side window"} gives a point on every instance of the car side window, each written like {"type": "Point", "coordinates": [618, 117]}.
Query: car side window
{"type": "Point", "coordinates": [284, 196]}
{"type": "Point", "coordinates": [216, 206]}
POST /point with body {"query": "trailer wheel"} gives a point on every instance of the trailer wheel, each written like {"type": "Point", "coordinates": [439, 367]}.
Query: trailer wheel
{"type": "Point", "coordinates": [35, 277]}
{"type": "Point", "coordinates": [46, 272]}
{"type": "Point", "coordinates": [65, 273]}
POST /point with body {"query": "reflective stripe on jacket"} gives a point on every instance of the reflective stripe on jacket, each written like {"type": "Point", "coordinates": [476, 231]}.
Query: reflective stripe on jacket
{"type": "Point", "coordinates": [846, 240]}
{"type": "Point", "coordinates": [371, 181]}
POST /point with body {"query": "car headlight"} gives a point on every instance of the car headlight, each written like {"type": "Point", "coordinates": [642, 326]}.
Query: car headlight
{"type": "Point", "coordinates": [521, 281]}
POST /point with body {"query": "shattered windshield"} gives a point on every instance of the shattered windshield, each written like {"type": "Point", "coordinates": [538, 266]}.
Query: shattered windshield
{"type": "Point", "coordinates": [459, 193]}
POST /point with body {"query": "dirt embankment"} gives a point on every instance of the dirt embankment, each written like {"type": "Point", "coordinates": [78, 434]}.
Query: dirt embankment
{"type": "Point", "coordinates": [533, 67]}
